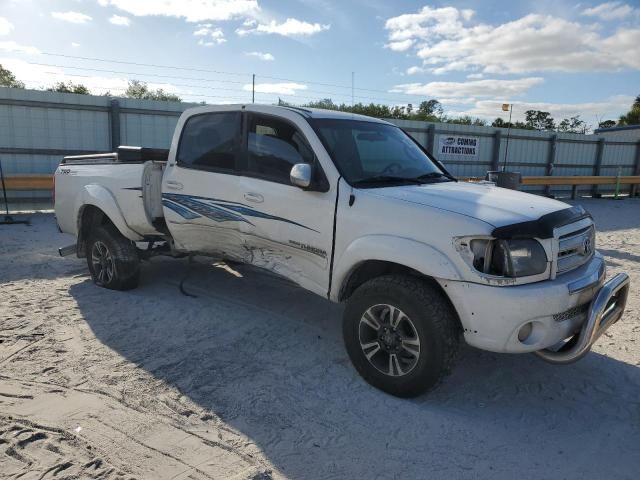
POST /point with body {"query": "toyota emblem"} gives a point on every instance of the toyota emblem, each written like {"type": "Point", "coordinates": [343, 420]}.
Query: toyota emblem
{"type": "Point", "coordinates": [587, 246]}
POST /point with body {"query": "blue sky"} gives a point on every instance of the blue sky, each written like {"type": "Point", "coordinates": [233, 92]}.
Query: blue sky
{"type": "Point", "coordinates": [566, 57]}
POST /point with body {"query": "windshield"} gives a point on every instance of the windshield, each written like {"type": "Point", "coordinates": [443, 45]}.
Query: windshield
{"type": "Point", "coordinates": [375, 153]}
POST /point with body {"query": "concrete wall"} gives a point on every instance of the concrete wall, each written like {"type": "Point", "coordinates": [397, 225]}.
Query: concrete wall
{"type": "Point", "coordinates": [37, 128]}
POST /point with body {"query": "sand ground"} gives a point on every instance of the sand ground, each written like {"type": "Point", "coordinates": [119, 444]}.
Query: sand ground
{"type": "Point", "coordinates": [250, 380]}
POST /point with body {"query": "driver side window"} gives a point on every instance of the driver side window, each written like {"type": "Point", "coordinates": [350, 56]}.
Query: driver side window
{"type": "Point", "coordinates": [274, 146]}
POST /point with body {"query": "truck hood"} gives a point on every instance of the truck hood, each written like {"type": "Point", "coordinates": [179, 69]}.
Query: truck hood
{"type": "Point", "coordinates": [494, 205]}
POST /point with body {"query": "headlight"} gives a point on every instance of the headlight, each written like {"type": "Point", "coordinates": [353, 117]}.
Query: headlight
{"type": "Point", "coordinates": [508, 258]}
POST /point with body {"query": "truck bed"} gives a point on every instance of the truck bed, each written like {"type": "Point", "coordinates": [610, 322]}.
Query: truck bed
{"type": "Point", "coordinates": [127, 181]}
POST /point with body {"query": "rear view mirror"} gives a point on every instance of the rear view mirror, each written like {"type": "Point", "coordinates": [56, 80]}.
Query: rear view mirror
{"type": "Point", "coordinates": [300, 175]}
{"type": "Point", "coordinates": [371, 137]}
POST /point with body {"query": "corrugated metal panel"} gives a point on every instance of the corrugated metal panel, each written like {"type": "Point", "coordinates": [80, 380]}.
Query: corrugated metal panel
{"type": "Point", "coordinates": [575, 154]}
{"type": "Point", "coordinates": [20, 164]}
{"type": "Point", "coordinates": [629, 134]}
{"type": "Point", "coordinates": [622, 155]}
{"type": "Point", "coordinates": [148, 130]}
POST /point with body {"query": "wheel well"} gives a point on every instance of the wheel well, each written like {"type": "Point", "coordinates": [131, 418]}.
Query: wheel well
{"type": "Point", "coordinates": [89, 218]}
{"type": "Point", "coordinates": [370, 269]}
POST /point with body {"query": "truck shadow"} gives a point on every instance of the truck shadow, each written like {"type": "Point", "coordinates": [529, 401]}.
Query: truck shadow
{"type": "Point", "coordinates": [620, 255]}
{"type": "Point", "coordinates": [267, 358]}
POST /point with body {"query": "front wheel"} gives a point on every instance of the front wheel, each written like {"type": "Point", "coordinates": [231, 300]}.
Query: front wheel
{"type": "Point", "coordinates": [401, 334]}
{"type": "Point", "coordinates": [112, 259]}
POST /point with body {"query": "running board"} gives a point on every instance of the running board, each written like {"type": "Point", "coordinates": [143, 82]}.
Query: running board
{"type": "Point", "coordinates": [66, 251]}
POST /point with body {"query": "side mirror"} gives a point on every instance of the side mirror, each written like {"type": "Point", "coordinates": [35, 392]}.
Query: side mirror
{"type": "Point", "coordinates": [300, 175]}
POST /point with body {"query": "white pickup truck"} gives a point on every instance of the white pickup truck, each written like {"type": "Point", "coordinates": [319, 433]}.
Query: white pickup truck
{"type": "Point", "coordinates": [353, 209]}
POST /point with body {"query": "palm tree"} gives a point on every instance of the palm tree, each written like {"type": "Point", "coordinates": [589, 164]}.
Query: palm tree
{"type": "Point", "coordinates": [633, 116]}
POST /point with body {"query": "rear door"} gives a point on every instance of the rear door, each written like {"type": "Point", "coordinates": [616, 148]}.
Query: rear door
{"type": "Point", "coordinates": [200, 186]}
{"type": "Point", "coordinates": [289, 230]}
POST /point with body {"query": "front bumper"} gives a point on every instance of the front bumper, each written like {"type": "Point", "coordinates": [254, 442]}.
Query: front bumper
{"type": "Point", "coordinates": [575, 304]}
{"type": "Point", "coordinates": [606, 309]}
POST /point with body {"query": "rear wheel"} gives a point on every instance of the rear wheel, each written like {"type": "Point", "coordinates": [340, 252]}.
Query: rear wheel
{"type": "Point", "coordinates": [112, 259]}
{"type": "Point", "coordinates": [401, 334]}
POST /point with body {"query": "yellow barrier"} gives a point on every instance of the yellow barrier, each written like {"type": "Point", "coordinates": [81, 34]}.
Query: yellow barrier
{"type": "Point", "coordinates": [582, 180]}
{"type": "Point", "coordinates": [29, 182]}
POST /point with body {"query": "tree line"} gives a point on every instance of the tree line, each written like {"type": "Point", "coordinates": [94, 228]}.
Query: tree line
{"type": "Point", "coordinates": [428, 110]}
{"type": "Point", "coordinates": [135, 88]}
{"type": "Point", "coordinates": [432, 111]}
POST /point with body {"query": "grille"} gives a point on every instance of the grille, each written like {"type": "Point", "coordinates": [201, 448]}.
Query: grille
{"type": "Point", "coordinates": [576, 249]}
{"type": "Point", "coordinates": [571, 313]}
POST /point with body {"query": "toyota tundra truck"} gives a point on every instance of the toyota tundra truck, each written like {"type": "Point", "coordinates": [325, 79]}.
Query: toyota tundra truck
{"type": "Point", "coordinates": [353, 209]}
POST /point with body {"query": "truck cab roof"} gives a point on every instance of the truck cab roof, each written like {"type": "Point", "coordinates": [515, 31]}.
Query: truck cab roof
{"type": "Point", "coordinates": [308, 113]}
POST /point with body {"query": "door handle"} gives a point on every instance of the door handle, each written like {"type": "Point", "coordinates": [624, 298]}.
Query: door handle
{"type": "Point", "coordinates": [173, 185]}
{"type": "Point", "coordinates": [254, 197]}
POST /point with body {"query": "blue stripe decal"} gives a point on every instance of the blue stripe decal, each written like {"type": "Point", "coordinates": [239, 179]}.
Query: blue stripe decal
{"type": "Point", "coordinates": [180, 210]}
{"type": "Point", "coordinates": [205, 209]}
{"type": "Point", "coordinates": [219, 210]}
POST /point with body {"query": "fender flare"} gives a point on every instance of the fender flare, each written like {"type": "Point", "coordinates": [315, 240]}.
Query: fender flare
{"type": "Point", "coordinates": [388, 248]}
{"type": "Point", "coordinates": [101, 198]}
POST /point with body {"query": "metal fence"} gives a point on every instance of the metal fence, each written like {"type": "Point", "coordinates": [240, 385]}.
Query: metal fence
{"type": "Point", "coordinates": [37, 128]}
{"type": "Point", "coordinates": [533, 153]}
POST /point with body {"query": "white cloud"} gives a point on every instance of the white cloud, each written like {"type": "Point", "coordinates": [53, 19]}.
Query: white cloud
{"type": "Point", "coordinates": [611, 108]}
{"type": "Point", "coordinates": [267, 57]}
{"type": "Point", "coordinates": [211, 43]}
{"type": "Point", "coordinates": [414, 70]}
{"type": "Point", "coordinates": [120, 20]}
{"type": "Point", "coordinates": [41, 76]}
{"type": "Point", "coordinates": [475, 88]}
{"type": "Point", "coordinates": [446, 40]}
{"type": "Point", "coordinates": [211, 35]}
{"type": "Point", "coordinates": [71, 17]}
{"type": "Point", "coordinates": [288, 88]}
{"type": "Point", "coordinates": [475, 75]}
{"type": "Point", "coordinates": [75, 44]}
{"type": "Point", "coordinates": [11, 46]}
{"type": "Point", "coordinates": [611, 11]}
{"type": "Point", "coordinates": [457, 101]}
{"type": "Point", "coordinates": [190, 10]}
{"type": "Point", "coordinates": [291, 27]}
{"type": "Point", "coordinates": [400, 46]}
{"type": "Point", "coordinates": [6, 27]}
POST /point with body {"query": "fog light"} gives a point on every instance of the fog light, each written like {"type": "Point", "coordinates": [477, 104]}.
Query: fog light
{"type": "Point", "coordinates": [525, 331]}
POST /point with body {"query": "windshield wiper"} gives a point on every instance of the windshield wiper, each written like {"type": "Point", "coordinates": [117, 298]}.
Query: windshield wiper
{"type": "Point", "coordinates": [384, 179]}
{"type": "Point", "coordinates": [432, 175]}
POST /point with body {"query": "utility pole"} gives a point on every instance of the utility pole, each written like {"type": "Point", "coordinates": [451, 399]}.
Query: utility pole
{"type": "Point", "coordinates": [353, 75]}
{"type": "Point", "coordinates": [253, 89]}
{"type": "Point", "coordinates": [506, 148]}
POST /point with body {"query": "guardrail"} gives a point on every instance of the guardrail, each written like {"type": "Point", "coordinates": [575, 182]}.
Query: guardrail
{"type": "Point", "coordinates": [576, 181]}
{"type": "Point", "coordinates": [45, 182]}
{"type": "Point", "coordinates": [29, 182]}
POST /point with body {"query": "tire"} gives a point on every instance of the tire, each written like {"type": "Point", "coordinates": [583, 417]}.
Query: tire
{"type": "Point", "coordinates": [112, 259]}
{"type": "Point", "coordinates": [425, 338]}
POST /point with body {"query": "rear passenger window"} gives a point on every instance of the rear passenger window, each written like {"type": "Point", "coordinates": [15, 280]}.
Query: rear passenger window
{"type": "Point", "coordinates": [274, 146]}
{"type": "Point", "coordinates": [210, 141]}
